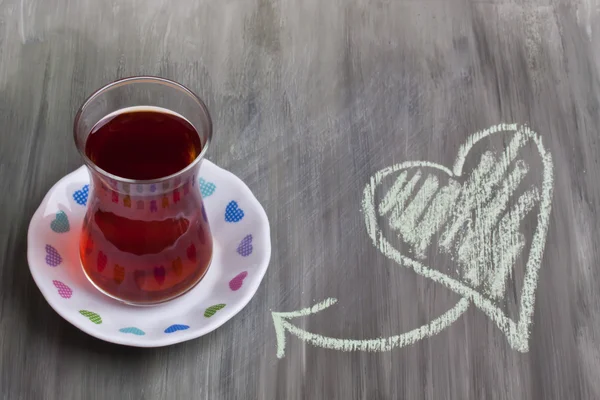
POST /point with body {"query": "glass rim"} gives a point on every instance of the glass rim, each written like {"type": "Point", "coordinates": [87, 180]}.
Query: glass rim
{"type": "Point", "coordinates": [136, 79]}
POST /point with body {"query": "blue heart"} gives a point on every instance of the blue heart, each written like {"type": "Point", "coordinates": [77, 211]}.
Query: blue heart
{"type": "Point", "coordinates": [175, 328]}
{"type": "Point", "coordinates": [233, 213]}
{"type": "Point", "coordinates": [81, 196]}
{"type": "Point", "coordinates": [60, 223]}
{"type": "Point", "coordinates": [206, 188]}
{"type": "Point", "coordinates": [133, 330]}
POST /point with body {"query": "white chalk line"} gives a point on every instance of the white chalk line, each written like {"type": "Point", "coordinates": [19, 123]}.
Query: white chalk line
{"type": "Point", "coordinates": [280, 320]}
{"type": "Point", "coordinates": [517, 333]}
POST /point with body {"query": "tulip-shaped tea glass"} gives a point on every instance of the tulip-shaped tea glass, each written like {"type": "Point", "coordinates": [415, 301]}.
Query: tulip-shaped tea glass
{"type": "Point", "coordinates": [145, 237]}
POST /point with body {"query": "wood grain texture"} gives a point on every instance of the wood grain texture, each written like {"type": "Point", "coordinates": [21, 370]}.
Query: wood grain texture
{"type": "Point", "coordinates": [309, 99]}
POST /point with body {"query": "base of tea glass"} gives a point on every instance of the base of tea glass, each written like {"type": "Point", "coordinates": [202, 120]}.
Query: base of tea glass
{"type": "Point", "coordinates": [129, 303]}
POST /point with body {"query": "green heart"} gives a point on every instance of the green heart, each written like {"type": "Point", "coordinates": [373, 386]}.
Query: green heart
{"type": "Point", "coordinates": [92, 316]}
{"type": "Point", "coordinates": [212, 310]}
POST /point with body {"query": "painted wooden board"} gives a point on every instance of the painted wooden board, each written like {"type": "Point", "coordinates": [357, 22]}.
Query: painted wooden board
{"type": "Point", "coordinates": [429, 169]}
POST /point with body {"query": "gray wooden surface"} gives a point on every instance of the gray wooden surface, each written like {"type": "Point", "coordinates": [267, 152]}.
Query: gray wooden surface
{"type": "Point", "coordinates": [309, 99]}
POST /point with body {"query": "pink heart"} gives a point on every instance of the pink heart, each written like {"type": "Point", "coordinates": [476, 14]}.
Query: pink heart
{"type": "Point", "coordinates": [237, 282]}
{"type": "Point", "coordinates": [63, 290]}
{"type": "Point", "coordinates": [101, 263]}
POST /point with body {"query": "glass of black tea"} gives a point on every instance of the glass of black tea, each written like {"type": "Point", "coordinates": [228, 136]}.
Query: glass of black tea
{"type": "Point", "coordinates": [145, 237]}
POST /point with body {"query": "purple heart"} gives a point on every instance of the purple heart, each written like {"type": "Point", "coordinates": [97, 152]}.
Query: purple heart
{"type": "Point", "coordinates": [159, 274]}
{"type": "Point", "coordinates": [52, 257]}
{"type": "Point", "coordinates": [245, 247]}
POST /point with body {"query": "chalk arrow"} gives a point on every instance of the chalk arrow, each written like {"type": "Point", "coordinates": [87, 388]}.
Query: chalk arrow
{"type": "Point", "coordinates": [282, 323]}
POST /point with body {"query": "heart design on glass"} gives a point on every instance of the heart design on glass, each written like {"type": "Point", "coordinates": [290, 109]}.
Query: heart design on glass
{"type": "Point", "coordinates": [177, 266]}
{"type": "Point", "coordinates": [159, 274]}
{"type": "Point", "coordinates": [236, 283]}
{"type": "Point", "coordinates": [63, 290]}
{"type": "Point", "coordinates": [233, 213]}
{"type": "Point", "coordinates": [191, 253]}
{"type": "Point", "coordinates": [60, 224]}
{"type": "Point", "coordinates": [207, 188]}
{"type": "Point", "coordinates": [53, 259]}
{"type": "Point", "coordinates": [101, 261]}
{"type": "Point", "coordinates": [245, 247]}
{"type": "Point", "coordinates": [471, 217]}
{"type": "Point", "coordinates": [81, 196]}
{"type": "Point", "coordinates": [118, 274]}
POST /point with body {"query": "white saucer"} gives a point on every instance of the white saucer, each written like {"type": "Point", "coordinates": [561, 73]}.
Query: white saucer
{"type": "Point", "coordinates": [242, 250]}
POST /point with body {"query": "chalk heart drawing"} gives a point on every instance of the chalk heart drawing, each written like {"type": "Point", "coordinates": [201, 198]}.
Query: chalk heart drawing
{"type": "Point", "coordinates": [474, 219]}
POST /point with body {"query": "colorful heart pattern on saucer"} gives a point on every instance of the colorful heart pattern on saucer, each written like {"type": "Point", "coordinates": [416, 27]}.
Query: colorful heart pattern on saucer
{"type": "Point", "coordinates": [240, 231]}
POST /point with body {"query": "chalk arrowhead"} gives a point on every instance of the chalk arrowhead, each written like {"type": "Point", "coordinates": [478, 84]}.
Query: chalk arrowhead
{"type": "Point", "coordinates": [282, 324]}
{"type": "Point", "coordinates": [279, 323]}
